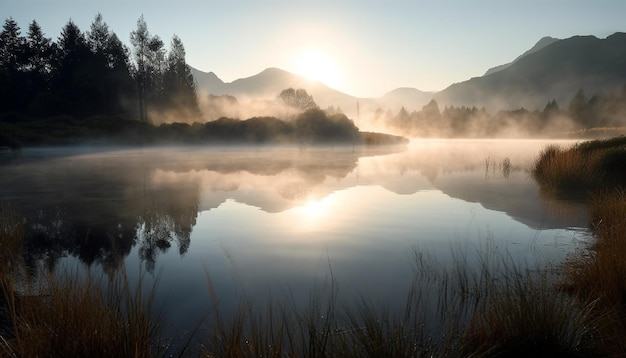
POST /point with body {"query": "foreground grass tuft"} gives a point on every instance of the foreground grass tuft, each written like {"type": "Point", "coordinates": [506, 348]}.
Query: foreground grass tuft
{"type": "Point", "coordinates": [583, 168]}
{"type": "Point", "coordinates": [46, 315]}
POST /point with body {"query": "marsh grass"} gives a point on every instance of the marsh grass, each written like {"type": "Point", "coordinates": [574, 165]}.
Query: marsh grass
{"type": "Point", "coordinates": [525, 315]}
{"type": "Point", "coordinates": [498, 167]}
{"type": "Point", "coordinates": [74, 316]}
{"type": "Point", "coordinates": [494, 308]}
{"type": "Point", "coordinates": [582, 168]}
{"type": "Point", "coordinates": [71, 314]}
{"type": "Point", "coordinates": [599, 273]}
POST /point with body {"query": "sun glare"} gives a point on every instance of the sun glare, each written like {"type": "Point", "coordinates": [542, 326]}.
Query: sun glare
{"type": "Point", "coordinates": [312, 215]}
{"type": "Point", "coordinates": [313, 209]}
{"type": "Point", "coordinates": [317, 65]}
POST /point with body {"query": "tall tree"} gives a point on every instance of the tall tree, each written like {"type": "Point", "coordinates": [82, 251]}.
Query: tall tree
{"type": "Point", "coordinates": [179, 87]}
{"type": "Point", "coordinates": [578, 107]}
{"type": "Point", "coordinates": [118, 62]}
{"type": "Point", "coordinates": [40, 50]}
{"type": "Point", "coordinates": [149, 56]}
{"type": "Point", "coordinates": [98, 36]}
{"type": "Point", "coordinates": [140, 39]}
{"type": "Point", "coordinates": [12, 55]}
{"type": "Point", "coordinates": [297, 98]}
{"type": "Point", "coordinates": [74, 76]}
{"type": "Point", "coordinates": [39, 67]}
{"type": "Point", "coordinates": [109, 68]}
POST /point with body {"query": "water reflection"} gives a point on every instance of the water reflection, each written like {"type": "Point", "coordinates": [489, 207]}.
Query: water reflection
{"type": "Point", "coordinates": [99, 206]}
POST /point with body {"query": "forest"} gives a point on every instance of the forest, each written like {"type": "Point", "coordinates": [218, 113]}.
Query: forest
{"type": "Point", "coordinates": [93, 73]}
{"type": "Point", "coordinates": [89, 87]}
{"type": "Point", "coordinates": [583, 116]}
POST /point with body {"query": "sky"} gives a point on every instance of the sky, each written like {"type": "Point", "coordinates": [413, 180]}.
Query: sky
{"type": "Point", "coordinates": [364, 48]}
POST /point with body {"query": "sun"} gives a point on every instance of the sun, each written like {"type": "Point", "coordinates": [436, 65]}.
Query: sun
{"type": "Point", "coordinates": [317, 65]}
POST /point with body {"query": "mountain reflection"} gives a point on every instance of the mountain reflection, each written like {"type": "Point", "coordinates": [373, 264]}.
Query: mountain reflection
{"type": "Point", "coordinates": [99, 206]}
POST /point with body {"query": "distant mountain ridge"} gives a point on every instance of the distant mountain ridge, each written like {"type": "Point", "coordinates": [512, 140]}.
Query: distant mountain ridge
{"type": "Point", "coordinates": [268, 83]}
{"type": "Point", "coordinates": [555, 71]}
{"type": "Point", "coordinates": [543, 42]}
{"type": "Point", "coordinates": [551, 69]}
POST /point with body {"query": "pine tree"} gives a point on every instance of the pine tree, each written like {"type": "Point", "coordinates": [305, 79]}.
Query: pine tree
{"type": "Point", "coordinates": [179, 86]}
{"type": "Point", "coordinates": [149, 56]}
{"type": "Point", "coordinates": [12, 58]}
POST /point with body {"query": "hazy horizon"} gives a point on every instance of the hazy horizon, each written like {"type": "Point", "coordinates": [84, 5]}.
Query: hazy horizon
{"type": "Point", "coordinates": [364, 49]}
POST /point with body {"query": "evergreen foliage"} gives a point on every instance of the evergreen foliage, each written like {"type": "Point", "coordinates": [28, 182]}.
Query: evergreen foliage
{"type": "Point", "coordinates": [85, 74]}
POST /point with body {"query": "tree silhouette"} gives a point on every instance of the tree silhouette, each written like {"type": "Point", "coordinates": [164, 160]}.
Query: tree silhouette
{"type": "Point", "coordinates": [179, 86]}
{"type": "Point", "coordinates": [12, 55]}
{"type": "Point", "coordinates": [140, 39]}
{"type": "Point", "coordinates": [297, 98]}
{"type": "Point", "coordinates": [577, 108]}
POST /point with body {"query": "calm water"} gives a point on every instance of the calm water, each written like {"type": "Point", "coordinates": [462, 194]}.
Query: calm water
{"type": "Point", "coordinates": [280, 220]}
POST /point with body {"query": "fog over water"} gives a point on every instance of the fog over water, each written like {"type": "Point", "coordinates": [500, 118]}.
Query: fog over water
{"type": "Point", "coordinates": [280, 219]}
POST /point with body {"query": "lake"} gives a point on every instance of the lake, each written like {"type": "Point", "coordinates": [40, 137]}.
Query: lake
{"type": "Point", "coordinates": [273, 221]}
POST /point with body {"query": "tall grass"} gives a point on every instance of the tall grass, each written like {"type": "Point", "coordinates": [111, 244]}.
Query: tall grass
{"type": "Point", "coordinates": [582, 168]}
{"type": "Point", "coordinates": [599, 273]}
{"type": "Point", "coordinates": [595, 170]}
{"type": "Point", "coordinates": [69, 315]}
{"type": "Point", "coordinates": [493, 309]}
{"type": "Point", "coordinates": [72, 317]}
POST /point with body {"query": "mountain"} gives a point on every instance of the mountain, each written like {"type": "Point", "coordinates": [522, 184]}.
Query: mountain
{"type": "Point", "coordinates": [208, 80]}
{"type": "Point", "coordinates": [268, 84]}
{"type": "Point", "coordinates": [543, 42]}
{"type": "Point", "coordinates": [555, 71]}
{"type": "Point", "coordinates": [410, 98]}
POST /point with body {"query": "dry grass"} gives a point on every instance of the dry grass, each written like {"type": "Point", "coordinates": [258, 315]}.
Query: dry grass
{"type": "Point", "coordinates": [495, 310]}
{"type": "Point", "coordinates": [525, 316]}
{"type": "Point", "coordinates": [600, 272]}
{"type": "Point", "coordinates": [72, 315]}
{"type": "Point", "coordinates": [582, 168]}
{"type": "Point", "coordinates": [595, 170]}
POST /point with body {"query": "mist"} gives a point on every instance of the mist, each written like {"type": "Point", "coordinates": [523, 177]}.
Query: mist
{"type": "Point", "coordinates": [599, 116]}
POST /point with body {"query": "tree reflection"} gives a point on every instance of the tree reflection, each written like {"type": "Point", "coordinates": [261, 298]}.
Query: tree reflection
{"type": "Point", "coordinates": [98, 207]}
{"type": "Point", "coordinates": [169, 215]}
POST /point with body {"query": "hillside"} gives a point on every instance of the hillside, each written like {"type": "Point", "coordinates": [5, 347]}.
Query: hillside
{"type": "Point", "coordinates": [556, 71]}
{"type": "Point", "coordinates": [543, 42]}
{"type": "Point", "coordinates": [268, 84]}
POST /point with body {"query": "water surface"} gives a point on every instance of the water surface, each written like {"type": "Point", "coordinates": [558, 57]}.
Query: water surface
{"type": "Point", "coordinates": [274, 221]}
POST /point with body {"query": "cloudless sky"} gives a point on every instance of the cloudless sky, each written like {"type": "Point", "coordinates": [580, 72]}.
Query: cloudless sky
{"type": "Point", "coordinates": [373, 46]}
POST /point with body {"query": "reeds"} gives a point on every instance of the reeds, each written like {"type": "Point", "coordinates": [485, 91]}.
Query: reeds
{"type": "Point", "coordinates": [69, 315]}
{"type": "Point", "coordinates": [493, 309]}
{"type": "Point", "coordinates": [582, 168]}
{"type": "Point", "coordinates": [72, 317]}
{"type": "Point", "coordinates": [599, 273]}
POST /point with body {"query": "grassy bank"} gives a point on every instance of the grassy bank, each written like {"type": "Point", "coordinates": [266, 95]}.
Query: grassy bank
{"type": "Point", "coordinates": [595, 171]}
{"type": "Point", "coordinates": [492, 309]}
{"type": "Point", "coordinates": [583, 168]}
{"type": "Point", "coordinates": [76, 315]}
